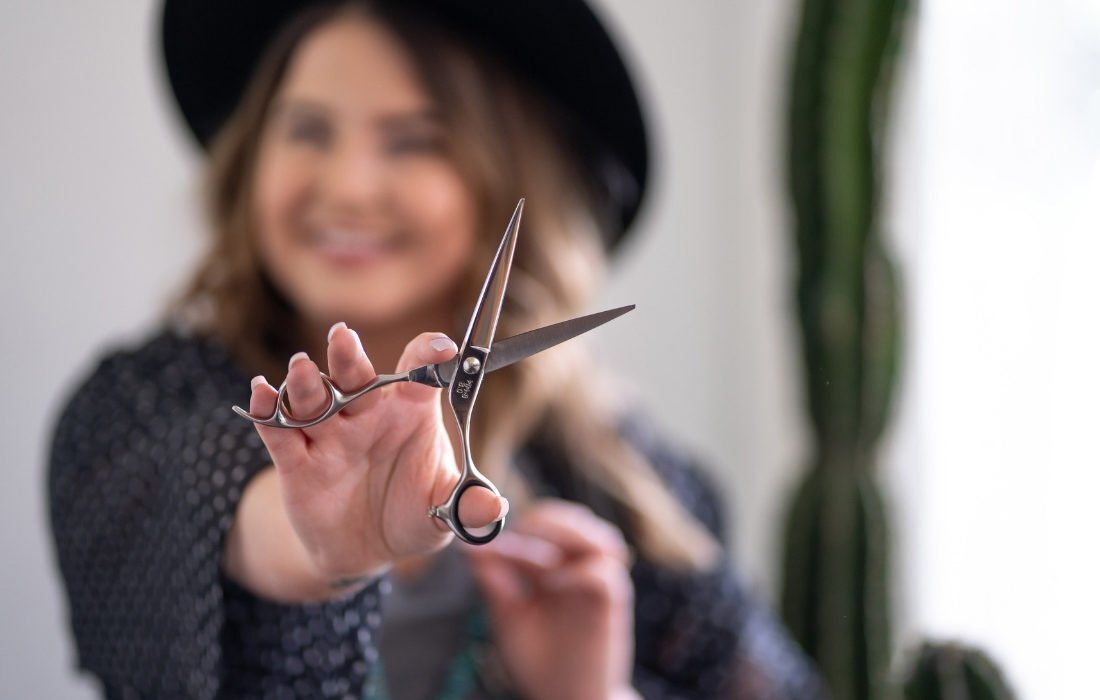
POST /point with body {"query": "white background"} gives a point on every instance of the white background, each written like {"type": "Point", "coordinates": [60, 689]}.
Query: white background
{"type": "Point", "coordinates": [993, 202]}
{"type": "Point", "coordinates": [995, 463]}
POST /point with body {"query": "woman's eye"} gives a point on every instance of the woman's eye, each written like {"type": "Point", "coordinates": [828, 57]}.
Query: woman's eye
{"type": "Point", "coordinates": [310, 132]}
{"type": "Point", "coordinates": [413, 144]}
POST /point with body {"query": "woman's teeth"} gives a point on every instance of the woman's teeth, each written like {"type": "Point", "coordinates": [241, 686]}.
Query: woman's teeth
{"type": "Point", "coordinates": [344, 242]}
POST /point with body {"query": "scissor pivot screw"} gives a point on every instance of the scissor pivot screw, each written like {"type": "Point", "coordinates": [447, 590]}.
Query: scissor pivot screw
{"type": "Point", "coordinates": [471, 365]}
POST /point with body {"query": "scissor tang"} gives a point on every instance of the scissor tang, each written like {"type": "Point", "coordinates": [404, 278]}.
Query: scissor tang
{"type": "Point", "coordinates": [338, 399]}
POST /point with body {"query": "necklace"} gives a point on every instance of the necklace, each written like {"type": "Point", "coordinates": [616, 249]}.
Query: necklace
{"type": "Point", "coordinates": [473, 661]}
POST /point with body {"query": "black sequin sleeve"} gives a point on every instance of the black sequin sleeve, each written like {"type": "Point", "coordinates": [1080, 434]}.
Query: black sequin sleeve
{"type": "Point", "coordinates": [704, 635]}
{"type": "Point", "coordinates": [146, 469]}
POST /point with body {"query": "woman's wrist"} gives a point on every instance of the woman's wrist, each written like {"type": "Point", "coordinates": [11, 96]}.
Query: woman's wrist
{"type": "Point", "coordinates": [264, 554]}
{"type": "Point", "coordinates": [349, 584]}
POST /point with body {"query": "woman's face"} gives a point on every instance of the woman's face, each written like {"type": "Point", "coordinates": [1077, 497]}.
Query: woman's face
{"type": "Point", "coordinates": [361, 215]}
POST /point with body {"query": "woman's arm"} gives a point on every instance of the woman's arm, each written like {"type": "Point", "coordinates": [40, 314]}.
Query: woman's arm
{"type": "Point", "coordinates": [147, 471]}
{"type": "Point", "coordinates": [712, 637]}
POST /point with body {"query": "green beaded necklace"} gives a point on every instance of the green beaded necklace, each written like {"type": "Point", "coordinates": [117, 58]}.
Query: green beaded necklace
{"type": "Point", "coordinates": [465, 668]}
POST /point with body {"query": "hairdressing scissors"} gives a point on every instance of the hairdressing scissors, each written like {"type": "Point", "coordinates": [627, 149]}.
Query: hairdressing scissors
{"type": "Point", "coordinates": [461, 375]}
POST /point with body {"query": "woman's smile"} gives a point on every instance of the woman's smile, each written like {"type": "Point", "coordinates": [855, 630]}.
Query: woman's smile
{"type": "Point", "coordinates": [349, 247]}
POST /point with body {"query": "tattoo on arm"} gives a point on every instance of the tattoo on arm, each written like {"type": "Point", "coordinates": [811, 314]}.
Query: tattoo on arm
{"type": "Point", "coordinates": [341, 584]}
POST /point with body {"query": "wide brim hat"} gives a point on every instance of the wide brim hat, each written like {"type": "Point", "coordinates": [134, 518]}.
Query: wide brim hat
{"type": "Point", "coordinates": [211, 48]}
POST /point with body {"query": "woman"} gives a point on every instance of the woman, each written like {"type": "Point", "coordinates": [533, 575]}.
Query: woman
{"type": "Point", "coordinates": [363, 158]}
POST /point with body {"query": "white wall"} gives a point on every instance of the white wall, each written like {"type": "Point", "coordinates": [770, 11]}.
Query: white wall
{"type": "Point", "coordinates": [996, 446]}
{"type": "Point", "coordinates": [96, 208]}
{"type": "Point", "coordinates": [712, 346]}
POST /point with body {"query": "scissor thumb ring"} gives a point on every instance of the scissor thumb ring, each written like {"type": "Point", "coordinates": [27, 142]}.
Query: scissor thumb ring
{"type": "Point", "coordinates": [448, 510]}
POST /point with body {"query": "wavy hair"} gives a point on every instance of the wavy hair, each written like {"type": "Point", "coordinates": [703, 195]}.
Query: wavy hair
{"type": "Point", "coordinates": [506, 142]}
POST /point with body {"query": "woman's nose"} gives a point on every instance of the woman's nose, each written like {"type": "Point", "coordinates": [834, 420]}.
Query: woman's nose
{"type": "Point", "coordinates": [354, 177]}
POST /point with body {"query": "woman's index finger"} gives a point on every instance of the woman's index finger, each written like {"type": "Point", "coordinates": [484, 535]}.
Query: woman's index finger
{"type": "Point", "coordinates": [574, 528]}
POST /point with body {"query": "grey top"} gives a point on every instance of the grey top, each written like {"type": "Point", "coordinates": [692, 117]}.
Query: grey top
{"type": "Point", "coordinates": [424, 626]}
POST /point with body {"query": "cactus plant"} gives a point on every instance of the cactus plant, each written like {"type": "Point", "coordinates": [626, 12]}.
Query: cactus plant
{"type": "Point", "coordinates": [954, 672]}
{"type": "Point", "coordinates": [834, 596]}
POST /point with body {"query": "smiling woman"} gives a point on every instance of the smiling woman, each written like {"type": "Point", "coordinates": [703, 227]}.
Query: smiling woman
{"type": "Point", "coordinates": [355, 186]}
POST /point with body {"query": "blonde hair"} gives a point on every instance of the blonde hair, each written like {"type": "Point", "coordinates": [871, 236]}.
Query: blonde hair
{"type": "Point", "coordinates": [507, 143]}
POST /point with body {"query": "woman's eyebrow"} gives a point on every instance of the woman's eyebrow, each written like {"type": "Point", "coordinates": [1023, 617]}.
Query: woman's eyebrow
{"type": "Point", "coordinates": [293, 106]}
{"type": "Point", "coordinates": [398, 119]}
{"type": "Point", "coordinates": [421, 117]}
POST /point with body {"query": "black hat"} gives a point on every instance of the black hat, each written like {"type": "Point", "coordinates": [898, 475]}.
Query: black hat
{"type": "Point", "coordinates": [211, 48]}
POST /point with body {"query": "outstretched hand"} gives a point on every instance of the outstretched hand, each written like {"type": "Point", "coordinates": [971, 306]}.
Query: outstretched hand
{"type": "Point", "coordinates": [357, 487]}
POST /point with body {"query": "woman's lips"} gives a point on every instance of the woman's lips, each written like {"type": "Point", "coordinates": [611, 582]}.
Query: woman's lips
{"type": "Point", "coordinates": [345, 247]}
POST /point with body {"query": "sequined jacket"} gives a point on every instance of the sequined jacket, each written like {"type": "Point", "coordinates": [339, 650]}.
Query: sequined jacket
{"type": "Point", "coordinates": [147, 466]}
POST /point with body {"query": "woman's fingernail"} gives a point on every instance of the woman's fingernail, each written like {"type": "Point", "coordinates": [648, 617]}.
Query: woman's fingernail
{"type": "Point", "coordinates": [296, 357]}
{"type": "Point", "coordinates": [258, 380]}
{"type": "Point", "coordinates": [335, 327]}
{"type": "Point", "coordinates": [358, 342]}
{"type": "Point", "coordinates": [441, 344]}
{"type": "Point", "coordinates": [503, 509]}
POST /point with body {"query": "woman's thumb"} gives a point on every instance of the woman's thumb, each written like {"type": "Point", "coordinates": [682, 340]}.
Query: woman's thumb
{"type": "Point", "coordinates": [426, 348]}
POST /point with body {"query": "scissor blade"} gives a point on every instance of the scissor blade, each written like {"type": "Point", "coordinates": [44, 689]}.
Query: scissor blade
{"type": "Point", "coordinates": [483, 322]}
{"type": "Point", "coordinates": [519, 347]}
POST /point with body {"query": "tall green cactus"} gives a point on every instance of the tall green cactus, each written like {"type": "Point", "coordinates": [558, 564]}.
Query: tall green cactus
{"type": "Point", "coordinates": [953, 672]}
{"type": "Point", "coordinates": [834, 595]}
